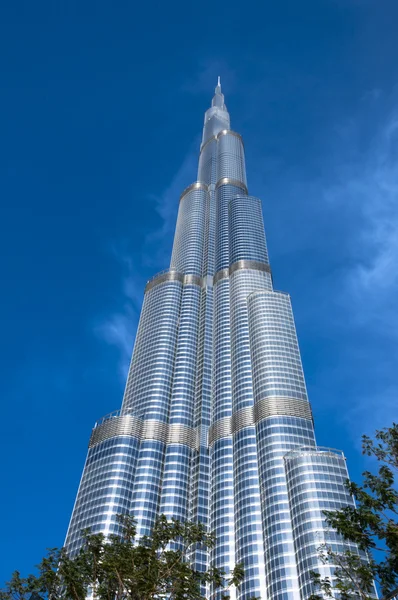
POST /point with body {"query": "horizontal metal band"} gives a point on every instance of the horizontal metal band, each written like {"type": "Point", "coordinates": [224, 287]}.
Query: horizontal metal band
{"type": "Point", "coordinates": [230, 181]}
{"type": "Point", "coordinates": [251, 297]}
{"type": "Point", "coordinates": [222, 274]}
{"type": "Point", "coordinates": [251, 415]}
{"type": "Point", "coordinates": [162, 277]}
{"type": "Point", "coordinates": [219, 429]}
{"type": "Point", "coordinates": [242, 418]}
{"type": "Point", "coordinates": [128, 425]}
{"type": "Point", "coordinates": [154, 430]}
{"type": "Point", "coordinates": [207, 142]}
{"type": "Point", "coordinates": [269, 407]}
{"type": "Point", "coordinates": [314, 451]}
{"type": "Point", "coordinates": [229, 132]}
{"type": "Point", "coordinates": [116, 426]}
{"type": "Point", "coordinates": [188, 279]}
{"type": "Point", "coordinates": [182, 434]}
{"type": "Point", "coordinates": [194, 280]}
{"type": "Point", "coordinates": [198, 185]}
{"type": "Point", "coordinates": [216, 137]}
{"type": "Point", "coordinates": [239, 266]}
{"type": "Point", "coordinates": [249, 264]}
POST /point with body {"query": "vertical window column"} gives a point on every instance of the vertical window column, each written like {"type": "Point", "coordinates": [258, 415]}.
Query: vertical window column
{"type": "Point", "coordinates": [231, 157]}
{"type": "Point", "coordinates": [148, 392]}
{"type": "Point", "coordinates": [279, 391]}
{"type": "Point", "coordinates": [176, 484]}
{"type": "Point", "coordinates": [222, 520]}
{"type": "Point", "coordinates": [149, 382]}
{"type": "Point", "coordinates": [189, 238]}
{"type": "Point", "coordinates": [249, 542]}
{"type": "Point", "coordinates": [246, 230]}
{"type": "Point", "coordinates": [147, 485]}
{"type": "Point", "coordinates": [207, 170]}
{"type": "Point", "coordinates": [210, 237]}
{"type": "Point", "coordinates": [224, 193]}
{"type": "Point", "coordinates": [200, 468]}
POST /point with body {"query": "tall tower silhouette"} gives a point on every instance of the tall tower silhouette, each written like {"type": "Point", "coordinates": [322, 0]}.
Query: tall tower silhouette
{"type": "Point", "coordinates": [215, 424]}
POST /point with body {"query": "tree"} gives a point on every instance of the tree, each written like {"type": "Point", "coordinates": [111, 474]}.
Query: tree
{"type": "Point", "coordinates": [371, 524]}
{"type": "Point", "coordinates": [121, 568]}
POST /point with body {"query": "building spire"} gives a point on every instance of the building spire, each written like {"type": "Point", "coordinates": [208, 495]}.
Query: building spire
{"type": "Point", "coordinates": [216, 117]}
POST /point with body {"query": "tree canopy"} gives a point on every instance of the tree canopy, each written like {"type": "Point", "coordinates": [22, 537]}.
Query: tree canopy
{"type": "Point", "coordinates": [121, 568]}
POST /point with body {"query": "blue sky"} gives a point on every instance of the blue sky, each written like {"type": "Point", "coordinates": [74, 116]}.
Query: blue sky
{"type": "Point", "coordinates": [101, 112]}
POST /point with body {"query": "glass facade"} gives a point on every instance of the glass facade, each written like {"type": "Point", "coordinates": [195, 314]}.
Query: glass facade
{"type": "Point", "coordinates": [215, 425]}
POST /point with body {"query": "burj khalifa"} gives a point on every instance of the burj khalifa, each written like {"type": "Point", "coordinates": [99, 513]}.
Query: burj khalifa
{"type": "Point", "coordinates": [215, 425]}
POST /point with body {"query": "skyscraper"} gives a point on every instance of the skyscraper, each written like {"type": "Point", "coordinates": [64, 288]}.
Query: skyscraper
{"type": "Point", "coordinates": [215, 424]}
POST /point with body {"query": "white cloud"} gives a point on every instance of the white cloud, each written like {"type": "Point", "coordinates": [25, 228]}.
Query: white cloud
{"type": "Point", "coordinates": [368, 296]}
{"type": "Point", "coordinates": [371, 281]}
{"type": "Point", "coordinates": [119, 330]}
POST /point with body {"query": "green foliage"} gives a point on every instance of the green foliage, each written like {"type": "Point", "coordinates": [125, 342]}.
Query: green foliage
{"type": "Point", "coordinates": [353, 579]}
{"type": "Point", "coordinates": [120, 568]}
{"type": "Point", "coordinates": [371, 524]}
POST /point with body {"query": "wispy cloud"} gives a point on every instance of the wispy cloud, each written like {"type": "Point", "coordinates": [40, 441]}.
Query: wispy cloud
{"type": "Point", "coordinates": [365, 286]}
{"type": "Point", "coordinates": [119, 328]}
{"type": "Point", "coordinates": [372, 281]}
{"type": "Point", "coordinates": [158, 244]}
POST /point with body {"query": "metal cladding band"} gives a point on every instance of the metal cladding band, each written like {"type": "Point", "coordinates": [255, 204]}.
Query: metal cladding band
{"type": "Point", "coordinates": [222, 274]}
{"type": "Point", "coordinates": [212, 139]}
{"type": "Point", "coordinates": [162, 277]}
{"type": "Point", "coordinates": [216, 137]}
{"type": "Point", "coordinates": [270, 407]}
{"type": "Point", "coordinates": [175, 276]}
{"type": "Point", "coordinates": [240, 265]}
{"type": "Point", "coordinates": [128, 425]}
{"type": "Point", "coordinates": [194, 280]}
{"type": "Point", "coordinates": [190, 279]}
{"type": "Point", "coordinates": [154, 430]}
{"type": "Point", "coordinates": [182, 434]}
{"type": "Point", "coordinates": [220, 429]}
{"type": "Point", "coordinates": [116, 426]}
{"type": "Point", "coordinates": [251, 415]}
{"type": "Point", "coordinates": [198, 185]}
{"type": "Point", "coordinates": [229, 132]}
{"type": "Point", "coordinates": [242, 418]}
{"type": "Point", "coordinates": [249, 264]}
{"type": "Point", "coordinates": [229, 181]}
{"type": "Point", "coordinates": [313, 451]}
